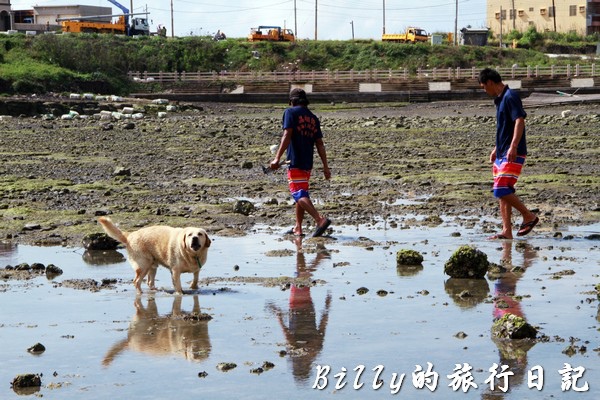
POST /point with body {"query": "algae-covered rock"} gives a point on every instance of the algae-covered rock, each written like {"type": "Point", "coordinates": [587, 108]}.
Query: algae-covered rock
{"type": "Point", "coordinates": [243, 207]}
{"type": "Point", "coordinates": [408, 257]}
{"type": "Point", "coordinates": [99, 241]}
{"type": "Point", "coordinates": [26, 381]}
{"type": "Point", "coordinates": [511, 326]}
{"type": "Point", "coordinates": [467, 262]}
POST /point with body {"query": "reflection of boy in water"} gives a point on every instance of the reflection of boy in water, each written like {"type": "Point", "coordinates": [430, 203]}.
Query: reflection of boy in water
{"type": "Point", "coordinates": [513, 353]}
{"type": "Point", "coordinates": [303, 335]}
{"type": "Point", "coordinates": [506, 286]}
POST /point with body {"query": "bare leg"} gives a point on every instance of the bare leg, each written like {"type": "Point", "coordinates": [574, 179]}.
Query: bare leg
{"type": "Point", "coordinates": [506, 213]}
{"type": "Point", "coordinates": [307, 206]}
{"type": "Point", "coordinates": [299, 218]}
{"type": "Point", "coordinates": [516, 203]}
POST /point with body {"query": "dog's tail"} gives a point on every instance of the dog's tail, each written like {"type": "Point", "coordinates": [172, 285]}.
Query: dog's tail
{"type": "Point", "coordinates": [111, 230]}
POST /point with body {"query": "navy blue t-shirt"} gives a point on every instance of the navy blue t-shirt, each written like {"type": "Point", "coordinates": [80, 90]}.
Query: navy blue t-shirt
{"type": "Point", "coordinates": [508, 109]}
{"type": "Point", "coordinates": [306, 130]}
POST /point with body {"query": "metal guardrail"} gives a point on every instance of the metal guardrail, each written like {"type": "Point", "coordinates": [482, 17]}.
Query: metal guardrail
{"type": "Point", "coordinates": [554, 71]}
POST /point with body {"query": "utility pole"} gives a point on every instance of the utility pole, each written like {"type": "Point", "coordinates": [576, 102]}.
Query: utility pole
{"type": "Point", "coordinates": [456, 25]}
{"type": "Point", "coordinates": [172, 26]}
{"type": "Point", "coordinates": [315, 19]}
{"type": "Point", "coordinates": [514, 15]}
{"type": "Point", "coordinates": [554, 13]}
{"type": "Point", "coordinates": [352, 23]}
{"type": "Point", "coordinates": [295, 21]}
{"type": "Point", "coordinates": [384, 17]}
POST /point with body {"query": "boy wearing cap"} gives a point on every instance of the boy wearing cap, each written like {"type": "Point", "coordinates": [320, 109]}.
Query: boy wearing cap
{"type": "Point", "coordinates": [301, 133]}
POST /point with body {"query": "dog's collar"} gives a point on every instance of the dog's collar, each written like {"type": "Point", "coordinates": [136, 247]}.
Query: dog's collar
{"type": "Point", "coordinates": [199, 263]}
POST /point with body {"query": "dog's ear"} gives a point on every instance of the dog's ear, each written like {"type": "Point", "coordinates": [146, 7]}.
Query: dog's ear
{"type": "Point", "coordinates": [207, 243]}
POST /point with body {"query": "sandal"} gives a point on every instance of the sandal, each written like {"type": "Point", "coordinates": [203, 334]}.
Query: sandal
{"type": "Point", "coordinates": [321, 229]}
{"type": "Point", "coordinates": [526, 228]}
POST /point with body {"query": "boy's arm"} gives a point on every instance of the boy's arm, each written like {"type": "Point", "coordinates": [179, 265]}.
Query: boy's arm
{"type": "Point", "coordinates": [286, 138]}
{"type": "Point", "coordinates": [323, 154]}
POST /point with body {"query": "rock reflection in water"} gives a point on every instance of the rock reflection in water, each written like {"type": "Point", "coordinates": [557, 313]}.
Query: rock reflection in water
{"type": "Point", "coordinates": [467, 293]}
{"type": "Point", "coordinates": [304, 334]}
{"type": "Point", "coordinates": [103, 257]}
{"type": "Point", "coordinates": [180, 332]}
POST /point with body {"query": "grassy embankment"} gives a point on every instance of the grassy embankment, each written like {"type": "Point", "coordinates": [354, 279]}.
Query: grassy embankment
{"type": "Point", "coordinates": [99, 63]}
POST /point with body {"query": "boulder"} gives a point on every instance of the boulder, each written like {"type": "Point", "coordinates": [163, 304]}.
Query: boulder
{"type": "Point", "coordinates": [467, 262]}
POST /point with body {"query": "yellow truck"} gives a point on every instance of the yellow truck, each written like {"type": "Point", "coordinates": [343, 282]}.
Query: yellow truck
{"type": "Point", "coordinates": [412, 35]}
{"type": "Point", "coordinates": [272, 33]}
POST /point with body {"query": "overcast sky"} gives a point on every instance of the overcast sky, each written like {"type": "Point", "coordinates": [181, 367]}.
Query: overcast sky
{"type": "Point", "coordinates": [335, 18]}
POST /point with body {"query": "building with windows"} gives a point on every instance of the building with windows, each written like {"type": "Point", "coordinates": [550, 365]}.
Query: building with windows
{"type": "Point", "coordinates": [578, 16]}
{"type": "Point", "coordinates": [47, 18]}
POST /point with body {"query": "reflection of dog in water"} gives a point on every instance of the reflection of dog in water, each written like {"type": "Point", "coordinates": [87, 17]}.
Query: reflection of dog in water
{"type": "Point", "coordinates": [180, 332]}
{"type": "Point", "coordinates": [178, 249]}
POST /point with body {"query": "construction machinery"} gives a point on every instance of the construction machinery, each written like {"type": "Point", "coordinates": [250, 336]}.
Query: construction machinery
{"type": "Point", "coordinates": [411, 35]}
{"type": "Point", "coordinates": [138, 26]}
{"type": "Point", "coordinates": [272, 33]}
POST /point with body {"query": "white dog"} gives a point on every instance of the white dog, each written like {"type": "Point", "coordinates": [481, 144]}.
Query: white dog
{"type": "Point", "coordinates": [178, 249]}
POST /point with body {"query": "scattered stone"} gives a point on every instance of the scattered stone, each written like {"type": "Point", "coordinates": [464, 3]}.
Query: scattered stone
{"type": "Point", "coordinates": [202, 374]}
{"type": "Point", "coordinates": [362, 290]}
{"type": "Point", "coordinates": [511, 326]}
{"type": "Point", "coordinates": [99, 241]}
{"type": "Point", "coordinates": [267, 365]}
{"type": "Point", "coordinates": [467, 262]}
{"type": "Point", "coordinates": [122, 171]}
{"type": "Point", "coordinates": [53, 271]}
{"type": "Point", "coordinates": [38, 267]}
{"type": "Point", "coordinates": [23, 267]}
{"type": "Point", "coordinates": [226, 366]}
{"type": "Point", "coordinates": [37, 348]}
{"type": "Point", "coordinates": [382, 293]}
{"type": "Point", "coordinates": [461, 335]}
{"type": "Point", "coordinates": [87, 284]}
{"type": "Point", "coordinates": [243, 207]}
{"type": "Point", "coordinates": [408, 257]}
{"type": "Point", "coordinates": [27, 381]}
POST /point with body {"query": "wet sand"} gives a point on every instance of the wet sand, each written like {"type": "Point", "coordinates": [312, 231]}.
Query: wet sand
{"type": "Point", "coordinates": [58, 176]}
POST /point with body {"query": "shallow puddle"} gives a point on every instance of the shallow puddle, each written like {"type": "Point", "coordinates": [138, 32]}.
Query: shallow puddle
{"type": "Point", "coordinates": [407, 323]}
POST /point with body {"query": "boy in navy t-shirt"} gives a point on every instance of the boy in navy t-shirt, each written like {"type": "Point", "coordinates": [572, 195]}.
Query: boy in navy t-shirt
{"type": "Point", "coordinates": [301, 134]}
{"type": "Point", "coordinates": [508, 156]}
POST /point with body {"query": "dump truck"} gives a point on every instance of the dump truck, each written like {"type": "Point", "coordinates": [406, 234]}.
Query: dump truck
{"type": "Point", "coordinates": [272, 33]}
{"type": "Point", "coordinates": [411, 35]}
{"type": "Point", "coordinates": [138, 26]}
